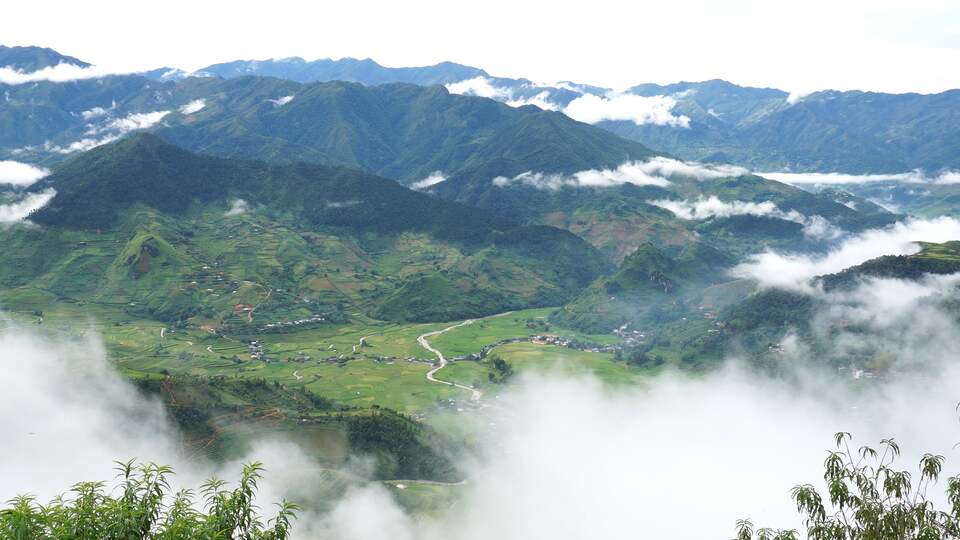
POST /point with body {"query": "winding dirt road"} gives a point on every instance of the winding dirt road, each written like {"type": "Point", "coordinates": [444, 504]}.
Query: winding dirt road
{"type": "Point", "coordinates": [475, 394]}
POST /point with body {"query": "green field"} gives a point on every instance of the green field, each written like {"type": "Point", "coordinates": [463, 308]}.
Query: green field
{"type": "Point", "coordinates": [469, 339]}
{"type": "Point", "coordinates": [530, 358]}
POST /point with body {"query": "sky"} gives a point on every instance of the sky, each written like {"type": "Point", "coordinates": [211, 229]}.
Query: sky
{"type": "Point", "coordinates": [881, 45]}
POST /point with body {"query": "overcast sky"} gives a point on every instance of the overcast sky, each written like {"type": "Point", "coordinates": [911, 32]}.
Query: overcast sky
{"type": "Point", "coordinates": [894, 46]}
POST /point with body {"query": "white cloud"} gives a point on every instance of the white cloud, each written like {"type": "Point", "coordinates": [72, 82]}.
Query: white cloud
{"type": "Point", "coordinates": [656, 171]}
{"type": "Point", "coordinates": [15, 173]}
{"type": "Point", "coordinates": [21, 210]}
{"type": "Point", "coordinates": [691, 169]}
{"type": "Point", "coordinates": [640, 110]}
{"type": "Point", "coordinates": [795, 270]}
{"type": "Point", "coordinates": [540, 100]}
{"type": "Point", "coordinates": [76, 415]}
{"type": "Point", "coordinates": [948, 177]}
{"type": "Point", "coordinates": [435, 178]}
{"type": "Point", "coordinates": [704, 208]}
{"type": "Point", "coordinates": [628, 173]}
{"type": "Point", "coordinates": [480, 87]}
{"type": "Point", "coordinates": [341, 204]}
{"type": "Point", "coordinates": [192, 107]}
{"type": "Point", "coordinates": [484, 87]}
{"type": "Point", "coordinates": [131, 122]}
{"type": "Point", "coordinates": [571, 459]}
{"type": "Point", "coordinates": [109, 132]}
{"type": "Point", "coordinates": [57, 73]}
{"type": "Point", "coordinates": [237, 207]}
{"type": "Point", "coordinates": [912, 177]}
{"type": "Point", "coordinates": [713, 207]}
{"type": "Point", "coordinates": [97, 112]}
{"type": "Point", "coordinates": [281, 101]}
{"type": "Point", "coordinates": [559, 457]}
{"type": "Point", "coordinates": [796, 97]}
{"type": "Point", "coordinates": [81, 145]}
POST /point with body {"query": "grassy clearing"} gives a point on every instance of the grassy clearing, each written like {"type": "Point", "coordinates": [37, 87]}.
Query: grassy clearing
{"type": "Point", "coordinates": [532, 358]}
{"type": "Point", "coordinates": [469, 339]}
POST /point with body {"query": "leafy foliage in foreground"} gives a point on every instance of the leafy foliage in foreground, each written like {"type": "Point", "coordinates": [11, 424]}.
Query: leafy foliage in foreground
{"type": "Point", "coordinates": [144, 508]}
{"type": "Point", "coordinates": [867, 498]}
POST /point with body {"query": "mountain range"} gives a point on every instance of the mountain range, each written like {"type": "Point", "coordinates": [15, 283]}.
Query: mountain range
{"type": "Point", "coordinates": [519, 204]}
{"type": "Point", "coordinates": [142, 222]}
{"type": "Point", "coordinates": [762, 128]}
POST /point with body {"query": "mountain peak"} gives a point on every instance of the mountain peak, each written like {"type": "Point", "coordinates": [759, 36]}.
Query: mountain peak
{"type": "Point", "coordinates": [28, 59]}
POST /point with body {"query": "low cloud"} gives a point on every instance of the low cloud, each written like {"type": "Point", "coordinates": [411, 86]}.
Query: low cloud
{"type": "Point", "coordinates": [75, 415]}
{"type": "Point", "coordinates": [281, 101]}
{"type": "Point", "coordinates": [485, 87]}
{"type": "Point", "coordinates": [341, 204]}
{"type": "Point", "coordinates": [572, 459]}
{"type": "Point", "coordinates": [704, 208]}
{"type": "Point", "coordinates": [560, 457]}
{"type": "Point", "coordinates": [794, 270]}
{"type": "Point", "coordinates": [640, 110]}
{"type": "Point", "coordinates": [131, 122]}
{"type": "Point", "coordinates": [435, 178]}
{"type": "Point", "coordinates": [15, 173]}
{"type": "Point", "coordinates": [796, 97]}
{"type": "Point", "coordinates": [192, 107]}
{"type": "Point", "coordinates": [97, 112]}
{"type": "Point", "coordinates": [712, 207]}
{"type": "Point", "coordinates": [109, 131]}
{"type": "Point", "coordinates": [21, 210]}
{"type": "Point", "coordinates": [237, 207]}
{"type": "Point", "coordinates": [656, 171]}
{"type": "Point", "coordinates": [541, 100]}
{"type": "Point", "coordinates": [587, 107]}
{"type": "Point", "coordinates": [80, 145]}
{"type": "Point", "coordinates": [912, 177]}
{"type": "Point", "coordinates": [480, 87]}
{"type": "Point", "coordinates": [58, 73]}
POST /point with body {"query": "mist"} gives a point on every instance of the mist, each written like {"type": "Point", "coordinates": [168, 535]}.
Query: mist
{"type": "Point", "coordinates": [562, 457]}
{"type": "Point", "coordinates": [15, 173]}
{"type": "Point", "coordinates": [794, 270]}
{"type": "Point", "coordinates": [68, 416]}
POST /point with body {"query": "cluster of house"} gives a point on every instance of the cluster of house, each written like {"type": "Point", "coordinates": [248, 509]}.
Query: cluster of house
{"type": "Point", "coordinates": [256, 350]}
{"type": "Point", "coordinates": [315, 318]}
{"type": "Point", "coordinates": [560, 341]}
{"type": "Point", "coordinates": [543, 339]}
{"type": "Point", "coordinates": [629, 337]}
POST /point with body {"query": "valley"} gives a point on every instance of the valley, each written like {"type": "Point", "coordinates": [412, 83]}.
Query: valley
{"type": "Point", "coordinates": [440, 303]}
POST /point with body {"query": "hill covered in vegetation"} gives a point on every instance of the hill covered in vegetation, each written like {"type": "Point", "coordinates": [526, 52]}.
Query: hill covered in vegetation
{"type": "Point", "coordinates": [179, 236]}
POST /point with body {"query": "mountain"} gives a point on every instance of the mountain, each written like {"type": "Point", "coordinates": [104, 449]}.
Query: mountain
{"type": "Point", "coordinates": [364, 71]}
{"type": "Point", "coordinates": [27, 59]}
{"type": "Point", "coordinates": [140, 222]}
{"type": "Point", "coordinates": [766, 129]}
{"type": "Point", "coordinates": [756, 324]}
{"type": "Point", "coordinates": [650, 287]}
{"type": "Point", "coordinates": [457, 144]}
{"type": "Point", "coordinates": [761, 128]}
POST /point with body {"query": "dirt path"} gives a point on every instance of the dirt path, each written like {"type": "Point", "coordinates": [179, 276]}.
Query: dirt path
{"type": "Point", "coordinates": [475, 394]}
{"type": "Point", "coordinates": [297, 375]}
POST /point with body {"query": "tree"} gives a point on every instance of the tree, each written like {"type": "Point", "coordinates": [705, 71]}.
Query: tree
{"type": "Point", "coordinates": [142, 507]}
{"type": "Point", "coordinates": [868, 499]}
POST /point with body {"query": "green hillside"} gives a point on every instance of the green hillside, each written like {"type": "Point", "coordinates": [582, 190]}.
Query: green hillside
{"type": "Point", "coordinates": [28, 59]}
{"type": "Point", "coordinates": [755, 325]}
{"type": "Point", "coordinates": [650, 288]}
{"type": "Point", "coordinates": [407, 133]}
{"type": "Point", "coordinates": [151, 227]}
